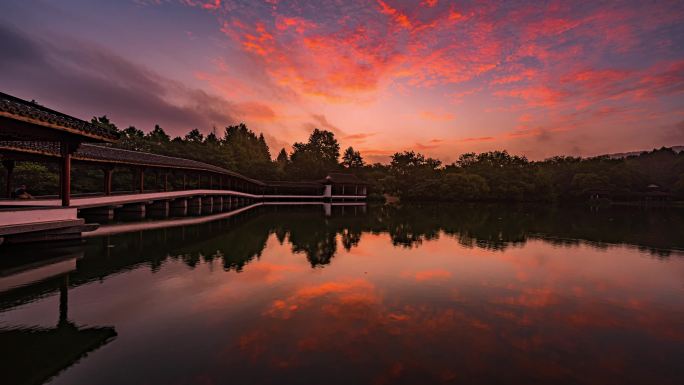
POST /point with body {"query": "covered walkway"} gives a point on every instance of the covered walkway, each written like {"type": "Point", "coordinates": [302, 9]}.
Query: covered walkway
{"type": "Point", "coordinates": [32, 133]}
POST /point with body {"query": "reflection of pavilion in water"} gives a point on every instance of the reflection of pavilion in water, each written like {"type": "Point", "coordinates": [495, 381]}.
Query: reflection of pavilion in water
{"type": "Point", "coordinates": [39, 353]}
{"type": "Point", "coordinates": [36, 354]}
{"type": "Point", "coordinates": [233, 241]}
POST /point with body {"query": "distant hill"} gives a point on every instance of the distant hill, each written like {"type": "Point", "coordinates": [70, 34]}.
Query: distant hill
{"type": "Point", "coordinates": [621, 155]}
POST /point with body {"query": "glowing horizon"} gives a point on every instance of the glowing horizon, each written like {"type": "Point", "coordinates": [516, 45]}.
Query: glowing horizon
{"type": "Point", "coordinates": [438, 77]}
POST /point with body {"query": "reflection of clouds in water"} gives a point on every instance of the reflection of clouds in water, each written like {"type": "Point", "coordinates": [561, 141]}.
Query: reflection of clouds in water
{"type": "Point", "coordinates": [361, 323]}
{"type": "Point", "coordinates": [440, 312]}
{"type": "Point", "coordinates": [428, 275]}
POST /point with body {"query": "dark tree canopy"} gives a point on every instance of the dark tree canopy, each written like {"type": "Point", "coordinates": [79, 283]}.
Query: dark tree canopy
{"type": "Point", "coordinates": [352, 158]}
{"type": "Point", "coordinates": [315, 158]}
{"type": "Point", "coordinates": [104, 121]}
{"type": "Point", "coordinates": [158, 136]}
{"type": "Point", "coordinates": [194, 136]}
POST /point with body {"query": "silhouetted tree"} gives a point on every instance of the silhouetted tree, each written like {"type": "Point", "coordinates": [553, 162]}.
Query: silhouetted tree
{"type": "Point", "coordinates": [194, 136]}
{"type": "Point", "coordinates": [158, 136]}
{"type": "Point", "coordinates": [133, 139]}
{"type": "Point", "coordinates": [352, 158]}
{"type": "Point", "coordinates": [316, 157]}
{"type": "Point", "coordinates": [103, 121]}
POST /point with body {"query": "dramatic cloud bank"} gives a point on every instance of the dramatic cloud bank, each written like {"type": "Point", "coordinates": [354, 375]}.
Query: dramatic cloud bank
{"type": "Point", "coordinates": [441, 77]}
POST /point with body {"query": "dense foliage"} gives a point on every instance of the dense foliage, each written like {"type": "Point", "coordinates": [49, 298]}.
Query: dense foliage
{"type": "Point", "coordinates": [499, 176]}
{"type": "Point", "coordinates": [489, 176]}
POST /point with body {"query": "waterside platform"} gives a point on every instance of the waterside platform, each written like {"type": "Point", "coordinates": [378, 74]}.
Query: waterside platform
{"type": "Point", "coordinates": [19, 225]}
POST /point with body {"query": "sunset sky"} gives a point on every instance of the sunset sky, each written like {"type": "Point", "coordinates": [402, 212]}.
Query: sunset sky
{"type": "Point", "coordinates": [538, 78]}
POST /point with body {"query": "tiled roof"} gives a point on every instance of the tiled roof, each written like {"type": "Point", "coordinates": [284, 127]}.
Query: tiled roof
{"type": "Point", "coordinates": [106, 154]}
{"type": "Point", "coordinates": [33, 113]}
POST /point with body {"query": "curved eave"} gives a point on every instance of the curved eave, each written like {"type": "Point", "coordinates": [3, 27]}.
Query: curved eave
{"type": "Point", "coordinates": [73, 132]}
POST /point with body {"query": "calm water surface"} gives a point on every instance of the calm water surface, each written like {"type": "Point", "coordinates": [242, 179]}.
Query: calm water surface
{"type": "Point", "coordinates": [415, 295]}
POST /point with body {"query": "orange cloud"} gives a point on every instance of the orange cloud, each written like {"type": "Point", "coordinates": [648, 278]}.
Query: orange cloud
{"type": "Point", "coordinates": [437, 116]}
{"type": "Point", "coordinates": [478, 139]}
{"type": "Point", "coordinates": [547, 64]}
{"type": "Point", "coordinates": [297, 23]}
{"type": "Point", "coordinates": [255, 111]}
{"type": "Point", "coordinates": [420, 146]}
{"type": "Point", "coordinates": [208, 5]}
{"type": "Point", "coordinates": [521, 75]}
{"type": "Point", "coordinates": [399, 18]}
{"type": "Point", "coordinates": [359, 138]}
{"type": "Point", "coordinates": [540, 96]}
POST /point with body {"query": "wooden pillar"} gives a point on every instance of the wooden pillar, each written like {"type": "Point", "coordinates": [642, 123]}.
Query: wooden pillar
{"type": "Point", "coordinates": [141, 180]}
{"type": "Point", "coordinates": [185, 181]}
{"type": "Point", "coordinates": [108, 180]}
{"type": "Point", "coordinates": [211, 182]}
{"type": "Point", "coordinates": [9, 166]}
{"type": "Point", "coordinates": [166, 181]}
{"type": "Point", "coordinates": [199, 181]}
{"type": "Point", "coordinates": [65, 173]}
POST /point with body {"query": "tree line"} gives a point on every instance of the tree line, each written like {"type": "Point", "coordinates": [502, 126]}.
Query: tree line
{"type": "Point", "coordinates": [490, 176]}
{"type": "Point", "coordinates": [239, 149]}
{"type": "Point", "coordinates": [498, 176]}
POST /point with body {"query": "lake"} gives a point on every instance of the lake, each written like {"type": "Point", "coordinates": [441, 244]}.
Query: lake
{"type": "Point", "coordinates": [412, 294]}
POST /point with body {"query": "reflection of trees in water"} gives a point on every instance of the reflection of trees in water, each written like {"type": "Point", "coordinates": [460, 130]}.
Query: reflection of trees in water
{"type": "Point", "coordinates": [310, 233]}
{"type": "Point", "coordinates": [350, 238]}
{"type": "Point", "coordinates": [319, 248]}
{"type": "Point", "coordinates": [236, 241]}
{"type": "Point", "coordinates": [498, 227]}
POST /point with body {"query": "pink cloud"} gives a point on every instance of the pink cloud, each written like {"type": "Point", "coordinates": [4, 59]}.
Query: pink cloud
{"type": "Point", "coordinates": [437, 116]}
{"type": "Point", "coordinates": [543, 63]}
